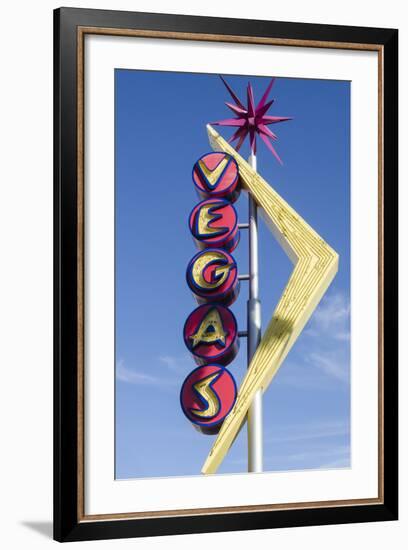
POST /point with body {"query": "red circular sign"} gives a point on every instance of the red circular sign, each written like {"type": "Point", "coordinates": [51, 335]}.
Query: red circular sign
{"type": "Point", "coordinates": [207, 397]}
{"type": "Point", "coordinates": [212, 276]}
{"type": "Point", "coordinates": [211, 334]}
{"type": "Point", "coordinates": [214, 222]}
{"type": "Point", "coordinates": [216, 175]}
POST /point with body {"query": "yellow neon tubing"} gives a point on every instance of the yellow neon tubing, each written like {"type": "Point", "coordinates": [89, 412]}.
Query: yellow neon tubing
{"type": "Point", "coordinates": [316, 264]}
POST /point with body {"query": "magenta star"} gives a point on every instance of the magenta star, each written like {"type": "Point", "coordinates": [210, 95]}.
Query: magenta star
{"type": "Point", "coordinates": [252, 120]}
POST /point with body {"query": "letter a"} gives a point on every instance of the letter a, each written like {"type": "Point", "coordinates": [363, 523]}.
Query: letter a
{"type": "Point", "coordinates": [211, 330]}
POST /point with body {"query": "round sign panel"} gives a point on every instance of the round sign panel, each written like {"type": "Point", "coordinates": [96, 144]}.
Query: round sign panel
{"type": "Point", "coordinates": [213, 223]}
{"type": "Point", "coordinates": [216, 175]}
{"type": "Point", "coordinates": [211, 334]}
{"type": "Point", "coordinates": [207, 397]}
{"type": "Point", "coordinates": [212, 276]}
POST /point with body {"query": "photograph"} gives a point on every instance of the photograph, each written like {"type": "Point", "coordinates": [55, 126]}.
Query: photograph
{"type": "Point", "coordinates": [300, 134]}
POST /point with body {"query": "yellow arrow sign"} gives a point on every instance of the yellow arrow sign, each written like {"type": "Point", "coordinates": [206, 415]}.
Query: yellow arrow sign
{"type": "Point", "coordinates": [316, 264]}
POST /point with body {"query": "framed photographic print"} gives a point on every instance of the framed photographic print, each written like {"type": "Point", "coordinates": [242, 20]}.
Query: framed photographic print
{"type": "Point", "coordinates": [225, 274]}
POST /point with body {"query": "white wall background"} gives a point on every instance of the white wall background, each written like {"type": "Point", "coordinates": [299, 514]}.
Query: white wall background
{"type": "Point", "coordinates": [26, 273]}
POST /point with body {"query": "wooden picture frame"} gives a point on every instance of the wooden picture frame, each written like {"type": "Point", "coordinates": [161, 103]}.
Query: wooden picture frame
{"type": "Point", "coordinates": [70, 27]}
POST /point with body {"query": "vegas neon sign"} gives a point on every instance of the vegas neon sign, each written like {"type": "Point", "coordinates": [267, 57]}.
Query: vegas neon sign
{"type": "Point", "coordinates": [209, 397]}
{"type": "Point", "coordinates": [210, 332]}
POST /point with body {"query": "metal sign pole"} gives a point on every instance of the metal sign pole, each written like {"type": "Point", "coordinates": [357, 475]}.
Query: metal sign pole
{"type": "Point", "coordinates": [254, 425]}
{"type": "Point", "coordinates": [252, 120]}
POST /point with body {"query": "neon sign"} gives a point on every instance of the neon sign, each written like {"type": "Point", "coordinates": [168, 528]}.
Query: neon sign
{"type": "Point", "coordinates": [215, 175]}
{"type": "Point", "coordinates": [212, 276]}
{"type": "Point", "coordinates": [213, 223]}
{"type": "Point", "coordinates": [210, 332]}
{"type": "Point", "coordinates": [207, 396]}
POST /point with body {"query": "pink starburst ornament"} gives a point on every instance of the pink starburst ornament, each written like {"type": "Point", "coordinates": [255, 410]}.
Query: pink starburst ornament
{"type": "Point", "coordinates": [251, 120]}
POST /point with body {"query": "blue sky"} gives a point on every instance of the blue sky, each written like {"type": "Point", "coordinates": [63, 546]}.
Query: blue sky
{"type": "Point", "coordinates": [160, 132]}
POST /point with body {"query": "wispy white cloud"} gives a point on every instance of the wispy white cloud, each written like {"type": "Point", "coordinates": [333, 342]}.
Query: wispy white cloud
{"type": "Point", "coordinates": [308, 432]}
{"type": "Point", "coordinates": [340, 462]}
{"type": "Point", "coordinates": [178, 364]}
{"type": "Point", "coordinates": [135, 376]}
{"type": "Point", "coordinates": [316, 368]}
{"type": "Point", "coordinates": [333, 455]}
{"type": "Point", "coordinates": [316, 457]}
{"type": "Point", "coordinates": [331, 317]}
{"type": "Point", "coordinates": [323, 355]}
{"type": "Point", "coordinates": [331, 363]}
{"type": "Point", "coordinates": [301, 375]}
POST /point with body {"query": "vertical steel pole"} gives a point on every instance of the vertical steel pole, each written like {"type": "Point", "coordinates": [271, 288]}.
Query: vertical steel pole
{"type": "Point", "coordinates": [254, 425]}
